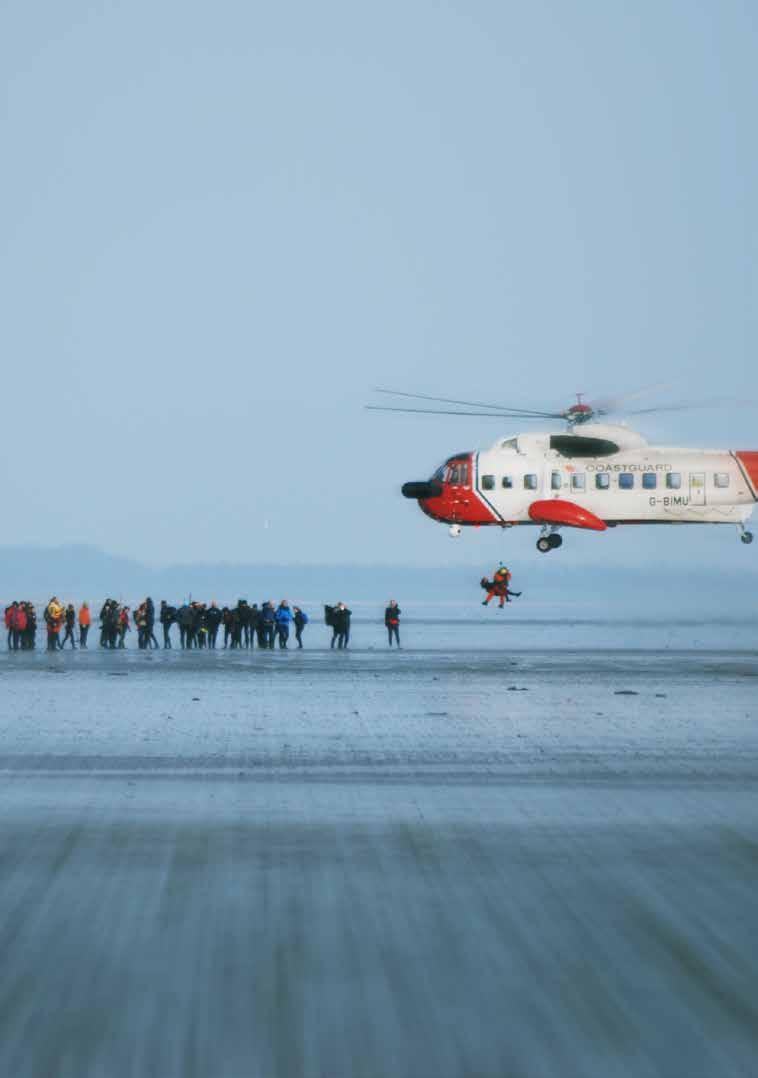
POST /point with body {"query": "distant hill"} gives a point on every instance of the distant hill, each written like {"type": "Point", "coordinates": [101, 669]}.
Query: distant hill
{"type": "Point", "coordinates": [78, 572]}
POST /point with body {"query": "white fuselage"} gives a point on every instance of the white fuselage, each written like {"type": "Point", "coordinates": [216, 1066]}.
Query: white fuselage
{"type": "Point", "coordinates": [641, 483]}
{"type": "Point", "coordinates": [594, 478]}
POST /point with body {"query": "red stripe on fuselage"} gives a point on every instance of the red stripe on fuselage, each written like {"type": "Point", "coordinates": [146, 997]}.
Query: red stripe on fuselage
{"type": "Point", "coordinates": [748, 462]}
{"type": "Point", "coordinates": [561, 512]}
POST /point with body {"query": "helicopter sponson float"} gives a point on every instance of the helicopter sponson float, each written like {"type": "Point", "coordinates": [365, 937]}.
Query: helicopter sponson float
{"type": "Point", "coordinates": [591, 476]}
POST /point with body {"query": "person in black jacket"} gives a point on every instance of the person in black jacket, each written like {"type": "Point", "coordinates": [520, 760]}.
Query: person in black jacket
{"type": "Point", "coordinates": [341, 625]}
{"type": "Point", "coordinates": [167, 617]}
{"type": "Point", "coordinates": [392, 622]}
{"type": "Point", "coordinates": [70, 623]}
{"type": "Point", "coordinates": [254, 615]}
{"type": "Point", "coordinates": [150, 642]}
{"type": "Point", "coordinates": [243, 618]}
{"type": "Point", "coordinates": [184, 619]}
{"type": "Point", "coordinates": [268, 622]}
{"type": "Point", "coordinates": [301, 620]}
{"type": "Point", "coordinates": [212, 622]}
{"type": "Point", "coordinates": [226, 620]}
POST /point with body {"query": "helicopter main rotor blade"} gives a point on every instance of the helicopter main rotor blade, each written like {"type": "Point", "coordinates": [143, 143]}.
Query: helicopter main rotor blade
{"type": "Point", "coordinates": [449, 411]}
{"type": "Point", "coordinates": [473, 404]}
{"type": "Point", "coordinates": [604, 405]}
{"type": "Point", "coordinates": [696, 405]}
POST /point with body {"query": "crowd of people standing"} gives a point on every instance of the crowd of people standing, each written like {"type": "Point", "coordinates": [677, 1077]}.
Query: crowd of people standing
{"type": "Point", "coordinates": [199, 625]}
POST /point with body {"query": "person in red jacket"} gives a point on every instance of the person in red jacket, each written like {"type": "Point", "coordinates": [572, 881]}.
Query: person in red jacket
{"type": "Point", "coordinates": [123, 626]}
{"type": "Point", "coordinates": [18, 625]}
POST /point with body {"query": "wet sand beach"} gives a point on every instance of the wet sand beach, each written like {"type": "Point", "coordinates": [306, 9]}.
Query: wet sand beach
{"type": "Point", "coordinates": [441, 862]}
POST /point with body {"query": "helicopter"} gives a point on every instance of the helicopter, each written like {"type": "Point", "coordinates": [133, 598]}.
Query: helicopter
{"type": "Point", "coordinates": [591, 475]}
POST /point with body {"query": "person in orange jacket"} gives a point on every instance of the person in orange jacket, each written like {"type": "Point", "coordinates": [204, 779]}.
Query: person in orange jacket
{"type": "Point", "coordinates": [85, 620]}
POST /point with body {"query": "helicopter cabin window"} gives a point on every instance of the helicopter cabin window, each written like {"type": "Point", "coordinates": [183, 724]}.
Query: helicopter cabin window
{"type": "Point", "coordinates": [579, 481]}
{"type": "Point", "coordinates": [626, 481]}
{"type": "Point", "coordinates": [507, 482]}
{"type": "Point", "coordinates": [556, 481]}
{"type": "Point", "coordinates": [602, 480]}
{"type": "Point", "coordinates": [674, 480]}
{"type": "Point", "coordinates": [650, 481]}
{"type": "Point", "coordinates": [530, 482]}
{"type": "Point", "coordinates": [488, 482]}
{"type": "Point", "coordinates": [721, 480]}
{"type": "Point", "coordinates": [511, 443]}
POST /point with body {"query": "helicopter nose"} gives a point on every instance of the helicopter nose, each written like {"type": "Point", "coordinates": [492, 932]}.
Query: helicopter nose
{"type": "Point", "coordinates": [427, 488]}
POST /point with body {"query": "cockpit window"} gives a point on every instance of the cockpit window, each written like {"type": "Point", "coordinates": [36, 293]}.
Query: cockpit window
{"type": "Point", "coordinates": [458, 475]}
{"type": "Point", "coordinates": [454, 471]}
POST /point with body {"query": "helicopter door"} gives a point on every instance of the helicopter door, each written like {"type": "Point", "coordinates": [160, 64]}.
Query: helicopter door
{"type": "Point", "coordinates": [697, 488]}
{"type": "Point", "coordinates": [457, 478]}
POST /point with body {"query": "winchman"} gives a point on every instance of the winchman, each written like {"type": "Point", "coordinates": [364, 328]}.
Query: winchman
{"type": "Point", "coordinates": [498, 587]}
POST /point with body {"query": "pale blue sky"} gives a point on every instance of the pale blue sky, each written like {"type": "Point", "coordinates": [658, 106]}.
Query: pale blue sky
{"type": "Point", "coordinates": [223, 223]}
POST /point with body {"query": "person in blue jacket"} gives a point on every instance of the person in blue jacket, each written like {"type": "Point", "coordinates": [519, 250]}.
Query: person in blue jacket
{"type": "Point", "coordinates": [283, 621]}
{"type": "Point", "coordinates": [300, 619]}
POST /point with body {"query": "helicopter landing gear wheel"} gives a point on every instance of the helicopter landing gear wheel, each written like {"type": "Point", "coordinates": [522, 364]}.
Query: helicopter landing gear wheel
{"type": "Point", "coordinates": [746, 537]}
{"type": "Point", "coordinates": [549, 540]}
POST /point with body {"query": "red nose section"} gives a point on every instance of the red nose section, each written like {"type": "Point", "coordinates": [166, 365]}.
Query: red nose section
{"type": "Point", "coordinates": [748, 461]}
{"type": "Point", "coordinates": [458, 505]}
{"type": "Point", "coordinates": [557, 511]}
{"type": "Point", "coordinates": [452, 498]}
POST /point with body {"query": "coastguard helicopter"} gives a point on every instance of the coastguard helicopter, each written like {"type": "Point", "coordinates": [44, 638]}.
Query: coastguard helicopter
{"type": "Point", "coordinates": [591, 475]}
